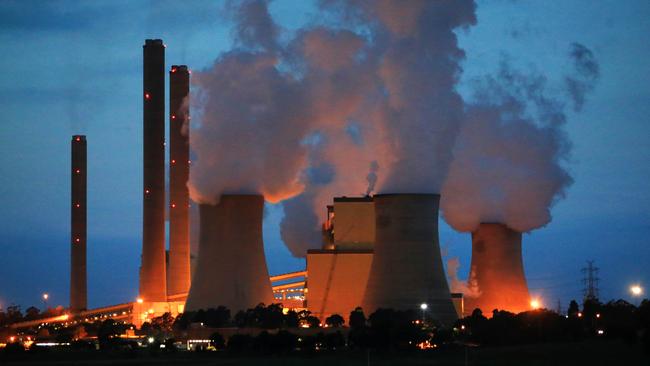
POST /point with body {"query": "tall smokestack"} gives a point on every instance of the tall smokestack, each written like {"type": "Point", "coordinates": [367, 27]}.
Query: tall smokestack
{"type": "Point", "coordinates": [78, 284]}
{"type": "Point", "coordinates": [497, 271]}
{"type": "Point", "coordinates": [231, 269]}
{"type": "Point", "coordinates": [152, 272]}
{"type": "Point", "coordinates": [407, 269]}
{"type": "Point", "coordinates": [179, 171]}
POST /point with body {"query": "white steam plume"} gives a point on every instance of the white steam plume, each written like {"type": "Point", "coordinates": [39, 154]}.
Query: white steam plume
{"type": "Point", "coordinates": [468, 288]}
{"type": "Point", "coordinates": [509, 158]}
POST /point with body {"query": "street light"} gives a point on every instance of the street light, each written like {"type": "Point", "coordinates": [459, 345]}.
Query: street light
{"type": "Point", "coordinates": [423, 307]}
{"type": "Point", "coordinates": [45, 297]}
{"type": "Point", "coordinates": [636, 291]}
{"type": "Point", "coordinates": [535, 304]}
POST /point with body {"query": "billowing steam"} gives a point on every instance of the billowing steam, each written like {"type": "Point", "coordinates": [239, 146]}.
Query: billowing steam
{"type": "Point", "coordinates": [509, 157]}
{"type": "Point", "coordinates": [310, 115]}
{"type": "Point", "coordinates": [408, 115]}
{"type": "Point", "coordinates": [468, 288]}
{"type": "Point", "coordinates": [586, 74]}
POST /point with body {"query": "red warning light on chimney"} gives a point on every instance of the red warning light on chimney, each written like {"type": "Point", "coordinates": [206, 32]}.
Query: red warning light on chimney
{"type": "Point", "coordinates": [147, 96]}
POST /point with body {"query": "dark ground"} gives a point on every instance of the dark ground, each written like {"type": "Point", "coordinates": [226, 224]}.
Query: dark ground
{"type": "Point", "coordinates": [584, 353]}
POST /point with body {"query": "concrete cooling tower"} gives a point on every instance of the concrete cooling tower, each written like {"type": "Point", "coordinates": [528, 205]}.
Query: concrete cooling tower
{"type": "Point", "coordinates": [407, 268]}
{"type": "Point", "coordinates": [497, 271]}
{"type": "Point", "coordinates": [231, 269]}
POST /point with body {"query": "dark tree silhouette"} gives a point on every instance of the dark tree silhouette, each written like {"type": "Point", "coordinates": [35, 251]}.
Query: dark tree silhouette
{"type": "Point", "coordinates": [357, 318]}
{"type": "Point", "coordinates": [335, 320]}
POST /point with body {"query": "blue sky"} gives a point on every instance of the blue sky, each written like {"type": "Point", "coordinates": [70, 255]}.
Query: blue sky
{"type": "Point", "coordinates": [75, 68]}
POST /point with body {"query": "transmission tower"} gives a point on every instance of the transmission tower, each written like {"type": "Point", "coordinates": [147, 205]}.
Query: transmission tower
{"type": "Point", "coordinates": [590, 281]}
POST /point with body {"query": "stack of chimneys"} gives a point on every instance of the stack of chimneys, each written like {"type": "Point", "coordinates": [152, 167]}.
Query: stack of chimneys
{"type": "Point", "coordinates": [153, 276]}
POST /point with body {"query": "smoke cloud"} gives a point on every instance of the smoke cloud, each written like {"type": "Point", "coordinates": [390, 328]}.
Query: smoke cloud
{"type": "Point", "coordinates": [509, 159]}
{"type": "Point", "coordinates": [586, 74]}
{"type": "Point", "coordinates": [372, 177]}
{"type": "Point", "coordinates": [310, 115]}
{"type": "Point", "coordinates": [468, 288]}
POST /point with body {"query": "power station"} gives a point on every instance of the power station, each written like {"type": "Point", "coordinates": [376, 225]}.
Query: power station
{"type": "Point", "coordinates": [377, 252]}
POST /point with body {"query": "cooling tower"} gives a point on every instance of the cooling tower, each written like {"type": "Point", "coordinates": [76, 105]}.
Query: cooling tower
{"type": "Point", "coordinates": [497, 271]}
{"type": "Point", "coordinates": [178, 272]}
{"type": "Point", "coordinates": [407, 269]}
{"type": "Point", "coordinates": [78, 284]}
{"type": "Point", "coordinates": [231, 269]}
{"type": "Point", "coordinates": [153, 286]}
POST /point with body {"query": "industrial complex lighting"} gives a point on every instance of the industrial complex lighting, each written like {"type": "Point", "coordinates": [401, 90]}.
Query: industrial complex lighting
{"type": "Point", "coordinates": [139, 300]}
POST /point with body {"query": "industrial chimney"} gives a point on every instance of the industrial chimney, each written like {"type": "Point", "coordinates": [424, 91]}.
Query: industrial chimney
{"type": "Point", "coordinates": [407, 269]}
{"type": "Point", "coordinates": [497, 271]}
{"type": "Point", "coordinates": [178, 271]}
{"type": "Point", "coordinates": [231, 269]}
{"type": "Point", "coordinates": [78, 284]}
{"type": "Point", "coordinates": [153, 285]}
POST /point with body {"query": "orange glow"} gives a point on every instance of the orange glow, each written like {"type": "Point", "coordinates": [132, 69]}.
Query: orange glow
{"type": "Point", "coordinates": [535, 304]}
{"type": "Point", "coordinates": [139, 300]}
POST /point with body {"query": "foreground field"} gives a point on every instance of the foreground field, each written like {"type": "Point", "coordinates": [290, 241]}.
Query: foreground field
{"type": "Point", "coordinates": [586, 353]}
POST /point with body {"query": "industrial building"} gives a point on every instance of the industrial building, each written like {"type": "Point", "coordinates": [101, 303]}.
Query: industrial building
{"type": "Point", "coordinates": [377, 252]}
{"type": "Point", "coordinates": [337, 274]}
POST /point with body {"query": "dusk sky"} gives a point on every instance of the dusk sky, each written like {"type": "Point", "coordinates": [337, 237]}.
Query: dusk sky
{"type": "Point", "coordinates": [75, 67]}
